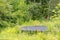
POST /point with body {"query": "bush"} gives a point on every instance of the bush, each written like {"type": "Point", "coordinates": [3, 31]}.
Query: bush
{"type": "Point", "coordinates": [14, 12]}
{"type": "Point", "coordinates": [37, 12]}
{"type": "Point", "coordinates": [56, 11]}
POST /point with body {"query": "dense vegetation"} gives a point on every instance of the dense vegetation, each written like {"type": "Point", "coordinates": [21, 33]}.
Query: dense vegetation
{"type": "Point", "coordinates": [29, 12]}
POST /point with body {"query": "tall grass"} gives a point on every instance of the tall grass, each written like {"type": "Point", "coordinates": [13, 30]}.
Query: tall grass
{"type": "Point", "coordinates": [13, 33]}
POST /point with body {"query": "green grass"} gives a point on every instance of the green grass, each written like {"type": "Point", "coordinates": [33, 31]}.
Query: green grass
{"type": "Point", "coordinates": [13, 33]}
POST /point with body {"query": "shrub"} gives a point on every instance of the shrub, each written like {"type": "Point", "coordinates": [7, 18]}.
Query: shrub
{"type": "Point", "coordinates": [56, 10]}
{"type": "Point", "coordinates": [37, 12]}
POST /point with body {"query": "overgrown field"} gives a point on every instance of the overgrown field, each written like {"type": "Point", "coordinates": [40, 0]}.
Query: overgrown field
{"type": "Point", "coordinates": [15, 14]}
{"type": "Point", "coordinates": [14, 33]}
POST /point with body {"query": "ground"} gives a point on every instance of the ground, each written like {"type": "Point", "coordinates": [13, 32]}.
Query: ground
{"type": "Point", "coordinates": [14, 33]}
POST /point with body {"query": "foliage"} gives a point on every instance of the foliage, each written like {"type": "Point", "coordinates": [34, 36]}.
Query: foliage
{"type": "Point", "coordinates": [35, 12]}
{"type": "Point", "coordinates": [17, 11]}
{"type": "Point", "coordinates": [40, 10]}
{"type": "Point", "coordinates": [15, 14]}
{"type": "Point", "coordinates": [12, 33]}
{"type": "Point", "coordinates": [13, 11]}
{"type": "Point", "coordinates": [57, 10]}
